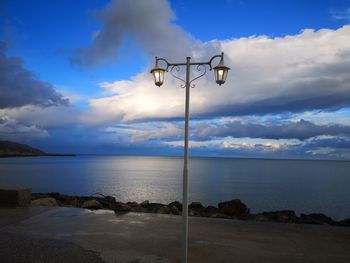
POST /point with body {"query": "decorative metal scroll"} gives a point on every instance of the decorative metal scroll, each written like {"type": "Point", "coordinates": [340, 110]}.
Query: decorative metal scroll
{"type": "Point", "coordinates": [199, 69]}
{"type": "Point", "coordinates": [177, 69]}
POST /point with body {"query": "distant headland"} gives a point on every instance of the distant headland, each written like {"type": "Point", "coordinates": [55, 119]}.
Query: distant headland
{"type": "Point", "coordinates": [14, 149]}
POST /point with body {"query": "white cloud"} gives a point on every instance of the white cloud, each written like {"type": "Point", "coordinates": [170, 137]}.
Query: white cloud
{"type": "Point", "coordinates": [248, 144]}
{"type": "Point", "coordinates": [341, 15]}
{"type": "Point", "coordinates": [269, 75]}
{"type": "Point", "coordinates": [167, 130]}
{"type": "Point", "coordinates": [54, 116]}
{"type": "Point", "coordinates": [147, 131]}
{"type": "Point", "coordinates": [339, 117]}
{"type": "Point", "coordinates": [321, 151]}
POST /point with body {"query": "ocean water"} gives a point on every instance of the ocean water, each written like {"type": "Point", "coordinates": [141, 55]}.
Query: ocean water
{"type": "Point", "coordinates": [264, 185]}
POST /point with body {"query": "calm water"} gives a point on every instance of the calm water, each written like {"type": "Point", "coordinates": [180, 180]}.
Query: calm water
{"type": "Point", "coordinates": [304, 186]}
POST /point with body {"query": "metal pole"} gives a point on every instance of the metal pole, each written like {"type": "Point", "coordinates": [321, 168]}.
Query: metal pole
{"type": "Point", "coordinates": [185, 170]}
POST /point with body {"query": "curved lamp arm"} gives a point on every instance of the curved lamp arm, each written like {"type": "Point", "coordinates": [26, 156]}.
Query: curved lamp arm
{"type": "Point", "coordinates": [214, 57]}
{"type": "Point", "coordinates": [164, 60]}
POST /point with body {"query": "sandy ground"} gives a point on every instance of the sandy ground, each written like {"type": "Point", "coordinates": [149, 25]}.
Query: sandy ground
{"type": "Point", "coordinates": [59, 234]}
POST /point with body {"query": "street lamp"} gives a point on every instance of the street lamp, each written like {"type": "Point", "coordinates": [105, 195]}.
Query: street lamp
{"type": "Point", "coordinates": [220, 77]}
{"type": "Point", "coordinates": [158, 74]}
{"type": "Point", "coordinates": [221, 71]}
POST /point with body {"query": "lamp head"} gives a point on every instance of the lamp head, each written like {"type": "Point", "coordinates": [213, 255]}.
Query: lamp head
{"type": "Point", "coordinates": [221, 71]}
{"type": "Point", "coordinates": [158, 74]}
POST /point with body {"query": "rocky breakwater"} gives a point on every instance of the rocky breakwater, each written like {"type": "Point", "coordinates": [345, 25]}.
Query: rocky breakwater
{"type": "Point", "coordinates": [234, 209]}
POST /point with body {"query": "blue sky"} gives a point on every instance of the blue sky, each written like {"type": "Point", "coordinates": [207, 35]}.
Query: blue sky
{"type": "Point", "coordinates": [75, 77]}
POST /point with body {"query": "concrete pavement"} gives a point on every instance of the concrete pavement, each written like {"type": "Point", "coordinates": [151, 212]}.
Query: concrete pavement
{"type": "Point", "coordinates": [139, 237]}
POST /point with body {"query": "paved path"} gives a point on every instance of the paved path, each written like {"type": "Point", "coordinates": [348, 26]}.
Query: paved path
{"type": "Point", "coordinates": [143, 238]}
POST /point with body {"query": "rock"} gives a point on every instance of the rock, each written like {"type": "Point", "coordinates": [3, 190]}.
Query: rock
{"type": "Point", "coordinates": [234, 207]}
{"type": "Point", "coordinates": [177, 204]}
{"type": "Point", "coordinates": [145, 203]}
{"type": "Point", "coordinates": [92, 204]}
{"type": "Point", "coordinates": [192, 212]}
{"type": "Point", "coordinates": [154, 207]}
{"type": "Point", "coordinates": [196, 209]}
{"type": "Point", "coordinates": [15, 197]}
{"type": "Point", "coordinates": [69, 201]}
{"type": "Point", "coordinates": [74, 202]}
{"type": "Point", "coordinates": [196, 206]}
{"type": "Point", "coordinates": [164, 210]}
{"type": "Point", "coordinates": [345, 222]}
{"type": "Point", "coordinates": [135, 207]}
{"type": "Point", "coordinates": [211, 210]}
{"type": "Point", "coordinates": [277, 216]}
{"type": "Point", "coordinates": [316, 218]}
{"type": "Point", "coordinates": [219, 215]}
{"type": "Point", "coordinates": [261, 218]}
{"type": "Point", "coordinates": [120, 207]}
{"type": "Point", "coordinates": [174, 210]}
{"type": "Point", "coordinates": [110, 199]}
{"type": "Point", "coordinates": [47, 201]}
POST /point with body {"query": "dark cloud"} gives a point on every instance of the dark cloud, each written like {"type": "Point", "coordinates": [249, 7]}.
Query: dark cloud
{"type": "Point", "coordinates": [330, 142]}
{"type": "Point", "coordinates": [289, 130]}
{"type": "Point", "coordinates": [11, 129]}
{"type": "Point", "coordinates": [19, 86]}
{"type": "Point", "coordinates": [148, 23]}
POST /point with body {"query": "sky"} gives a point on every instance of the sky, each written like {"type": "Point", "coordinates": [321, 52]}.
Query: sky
{"type": "Point", "coordinates": [75, 77]}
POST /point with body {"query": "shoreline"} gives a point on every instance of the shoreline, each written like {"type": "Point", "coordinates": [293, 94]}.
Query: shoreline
{"type": "Point", "coordinates": [233, 209]}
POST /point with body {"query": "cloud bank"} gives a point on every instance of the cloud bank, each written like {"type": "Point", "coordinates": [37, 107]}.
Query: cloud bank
{"type": "Point", "coordinates": [19, 86]}
{"type": "Point", "coordinates": [300, 130]}
{"type": "Point", "coordinates": [295, 73]}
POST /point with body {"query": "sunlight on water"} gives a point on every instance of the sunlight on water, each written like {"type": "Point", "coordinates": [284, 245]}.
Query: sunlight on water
{"type": "Point", "coordinates": [304, 186]}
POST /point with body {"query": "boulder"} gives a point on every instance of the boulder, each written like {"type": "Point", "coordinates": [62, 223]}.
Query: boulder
{"type": "Point", "coordinates": [316, 218]}
{"type": "Point", "coordinates": [154, 207]}
{"type": "Point", "coordinates": [345, 222]}
{"type": "Point", "coordinates": [144, 203]}
{"type": "Point", "coordinates": [277, 216]}
{"type": "Point", "coordinates": [174, 210]}
{"type": "Point", "coordinates": [196, 206]}
{"type": "Point", "coordinates": [177, 204]}
{"type": "Point", "coordinates": [109, 199]}
{"type": "Point", "coordinates": [164, 210]}
{"type": "Point", "coordinates": [196, 209]}
{"type": "Point", "coordinates": [91, 204]}
{"type": "Point", "coordinates": [120, 207]}
{"type": "Point", "coordinates": [46, 201]}
{"type": "Point", "coordinates": [210, 210]}
{"type": "Point", "coordinates": [220, 215]}
{"type": "Point", "coordinates": [15, 197]}
{"type": "Point", "coordinates": [135, 207]}
{"type": "Point", "coordinates": [234, 207]}
{"type": "Point", "coordinates": [192, 212]}
{"type": "Point", "coordinates": [74, 202]}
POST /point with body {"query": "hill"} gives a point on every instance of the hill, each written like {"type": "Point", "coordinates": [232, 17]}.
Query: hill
{"type": "Point", "coordinates": [10, 149]}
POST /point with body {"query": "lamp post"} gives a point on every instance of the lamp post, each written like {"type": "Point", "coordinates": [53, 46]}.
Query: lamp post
{"type": "Point", "coordinates": [220, 72]}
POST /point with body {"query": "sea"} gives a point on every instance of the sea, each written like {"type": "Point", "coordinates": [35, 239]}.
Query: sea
{"type": "Point", "coordinates": [305, 186]}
